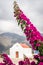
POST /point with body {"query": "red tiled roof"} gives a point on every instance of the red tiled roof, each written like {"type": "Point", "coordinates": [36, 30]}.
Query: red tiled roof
{"type": "Point", "coordinates": [25, 45]}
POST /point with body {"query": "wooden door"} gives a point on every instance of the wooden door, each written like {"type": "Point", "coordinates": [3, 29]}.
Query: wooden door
{"type": "Point", "coordinates": [17, 54]}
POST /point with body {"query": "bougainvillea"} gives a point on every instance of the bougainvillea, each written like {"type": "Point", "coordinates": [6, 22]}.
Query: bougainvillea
{"type": "Point", "coordinates": [40, 63]}
{"type": "Point", "coordinates": [21, 62]}
{"type": "Point", "coordinates": [25, 62]}
{"type": "Point", "coordinates": [32, 34]}
{"type": "Point", "coordinates": [6, 60]}
{"type": "Point", "coordinates": [33, 63]}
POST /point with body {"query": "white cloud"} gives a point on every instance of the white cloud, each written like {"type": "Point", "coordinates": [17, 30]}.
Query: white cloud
{"type": "Point", "coordinates": [10, 26]}
{"type": "Point", "coordinates": [32, 8]}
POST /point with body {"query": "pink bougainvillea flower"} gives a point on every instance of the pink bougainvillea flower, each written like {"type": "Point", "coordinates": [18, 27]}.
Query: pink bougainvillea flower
{"type": "Point", "coordinates": [21, 62]}
{"type": "Point", "coordinates": [28, 22]}
{"type": "Point", "coordinates": [40, 63]}
{"type": "Point", "coordinates": [36, 56]}
{"type": "Point", "coordinates": [2, 64]}
{"type": "Point", "coordinates": [26, 61]}
{"type": "Point", "coordinates": [38, 44]}
{"type": "Point", "coordinates": [41, 58]}
{"type": "Point", "coordinates": [7, 60]}
{"type": "Point", "coordinates": [32, 35]}
{"type": "Point", "coordinates": [33, 63]}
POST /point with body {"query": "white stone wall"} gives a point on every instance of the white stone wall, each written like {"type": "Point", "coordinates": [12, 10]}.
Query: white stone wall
{"type": "Point", "coordinates": [22, 51]}
{"type": "Point", "coordinates": [15, 48]}
{"type": "Point", "coordinates": [28, 52]}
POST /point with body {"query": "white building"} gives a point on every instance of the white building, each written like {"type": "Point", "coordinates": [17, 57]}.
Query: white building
{"type": "Point", "coordinates": [19, 50]}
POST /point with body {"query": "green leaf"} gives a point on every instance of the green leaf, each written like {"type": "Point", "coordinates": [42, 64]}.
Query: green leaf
{"type": "Point", "coordinates": [35, 42]}
{"type": "Point", "coordinates": [24, 22]}
{"type": "Point", "coordinates": [22, 26]}
{"type": "Point", "coordinates": [18, 21]}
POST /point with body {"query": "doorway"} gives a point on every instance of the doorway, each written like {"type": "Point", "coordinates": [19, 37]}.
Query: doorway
{"type": "Point", "coordinates": [17, 54]}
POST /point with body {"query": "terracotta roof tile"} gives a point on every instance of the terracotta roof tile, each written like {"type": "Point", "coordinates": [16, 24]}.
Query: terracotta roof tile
{"type": "Point", "coordinates": [24, 45]}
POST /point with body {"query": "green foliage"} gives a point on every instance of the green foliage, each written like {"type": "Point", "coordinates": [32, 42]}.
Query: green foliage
{"type": "Point", "coordinates": [18, 21]}
{"type": "Point", "coordinates": [41, 49]}
{"type": "Point", "coordinates": [23, 24]}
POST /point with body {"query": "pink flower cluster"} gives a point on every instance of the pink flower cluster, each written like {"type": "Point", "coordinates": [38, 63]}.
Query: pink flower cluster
{"type": "Point", "coordinates": [6, 60]}
{"type": "Point", "coordinates": [31, 32]}
{"type": "Point", "coordinates": [26, 62]}
{"type": "Point", "coordinates": [41, 63]}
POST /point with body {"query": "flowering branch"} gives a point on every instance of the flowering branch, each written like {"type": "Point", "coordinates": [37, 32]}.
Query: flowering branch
{"type": "Point", "coordinates": [32, 34]}
{"type": "Point", "coordinates": [29, 29]}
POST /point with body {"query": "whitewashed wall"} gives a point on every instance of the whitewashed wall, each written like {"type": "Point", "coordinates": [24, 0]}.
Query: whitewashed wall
{"type": "Point", "coordinates": [15, 48]}
{"type": "Point", "coordinates": [22, 51]}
